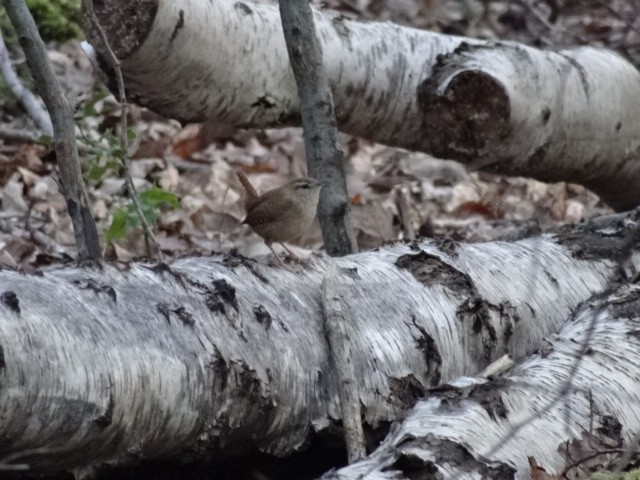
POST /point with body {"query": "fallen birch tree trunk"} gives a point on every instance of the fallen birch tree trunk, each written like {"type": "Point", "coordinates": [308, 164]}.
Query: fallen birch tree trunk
{"type": "Point", "coordinates": [573, 408]}
{"type": "Point", "coordinates": [222, 355]}
{"type": "Point", "coordinates": [570, 115]}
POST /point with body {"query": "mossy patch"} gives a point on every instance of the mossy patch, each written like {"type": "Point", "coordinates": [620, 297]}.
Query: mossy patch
{"type": "Point", "coordinates": [57, 20]}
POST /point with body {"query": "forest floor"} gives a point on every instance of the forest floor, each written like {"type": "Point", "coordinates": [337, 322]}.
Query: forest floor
{"type": "Point", "coordinates": [197, 162]}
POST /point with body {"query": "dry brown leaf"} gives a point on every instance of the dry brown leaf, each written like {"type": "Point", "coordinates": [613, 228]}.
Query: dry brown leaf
{"type": "Point", "coordinates": [19, 249]}
{"type": "Point", "coordinates": [187, 147]}
{"type": "Point", "coordinates": [474, 208]}
{"type": "Point", "coordinates": [356, 199]}
{"type": "Point", "coordinates": [7, 259]}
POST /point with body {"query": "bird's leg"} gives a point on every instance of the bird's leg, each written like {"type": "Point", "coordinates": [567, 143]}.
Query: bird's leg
{"type": "Point", "coordinates": [268, 244]}
{"type": "Point", "coordinates": [291, 254]}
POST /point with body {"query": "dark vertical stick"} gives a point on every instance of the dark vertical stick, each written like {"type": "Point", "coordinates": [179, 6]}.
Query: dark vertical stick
{"type": "Point", "coordinates": [325, 159]}
{"type": "Point", "coordinates": [64, 136]}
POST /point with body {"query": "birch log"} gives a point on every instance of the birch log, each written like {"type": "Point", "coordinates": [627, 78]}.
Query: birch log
{"type": "Point", "coordinates": [222, 355]}
{"type": "Point", "coordinates": [570, 115]}
{"type": "Point", "coordinates": [577, 403]}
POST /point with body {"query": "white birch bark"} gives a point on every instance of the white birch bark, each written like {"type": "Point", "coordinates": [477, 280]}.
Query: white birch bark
{"type": "Point", "coordinates": [569, 115]}
{"type": "Point", "coordinates": [228, 60]}
{"type": "Point", "coordinates": [579, 397]}
{"type": "Point", "coordinates": [224, 354]}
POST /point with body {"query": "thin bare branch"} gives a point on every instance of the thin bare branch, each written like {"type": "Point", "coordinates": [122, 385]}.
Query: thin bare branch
{"type": "Point", "coordinates": [124, 141]}
{"type": "Point", "coordinates": [64, 137]}
{"type": "Point", "coordinates": [28, 100]}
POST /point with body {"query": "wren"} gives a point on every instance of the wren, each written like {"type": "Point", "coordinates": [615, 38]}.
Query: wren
{"type": "Point", "coordinates": [281, 214]}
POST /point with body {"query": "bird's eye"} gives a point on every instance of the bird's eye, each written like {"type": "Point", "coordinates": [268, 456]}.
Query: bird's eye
{"type": "Point", "coordinates": [304, 185]}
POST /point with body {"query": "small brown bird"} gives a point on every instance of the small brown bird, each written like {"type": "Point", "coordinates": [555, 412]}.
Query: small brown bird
{"type": "Point", "coordinates": [283, 213]}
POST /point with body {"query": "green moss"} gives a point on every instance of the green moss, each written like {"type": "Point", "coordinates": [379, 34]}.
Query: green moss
{"type": "Point", "coordinates": [632, 475]}
{"type": "Point", "coordinates": [57, 20]}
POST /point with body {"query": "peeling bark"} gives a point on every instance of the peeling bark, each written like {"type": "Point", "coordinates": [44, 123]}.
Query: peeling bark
{"type": "Point", "coordinates": [576, 398]}
{"type": "Point", "coordinates": [222, 355]}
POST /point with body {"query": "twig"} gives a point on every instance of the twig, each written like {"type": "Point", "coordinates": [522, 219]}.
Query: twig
{"type": "Point", "coordinates": [338, 338]}
{"type": "Point", "coordinates": [619, 16]}
{"type": "Point", "coordinates": [404, 205]}
{"type": "Point", "coordinates": [124, 142]}
{"type": "Point", "coordinates": [223, 218]}
{"type": "Point", "coordinates": [28, 100]}
{"type": "Point", "coordinates": [554, 29]}
{"type": "Point", "coordinates": [586, 458]}
{"type": "Point", "coordinates": [64, 137]}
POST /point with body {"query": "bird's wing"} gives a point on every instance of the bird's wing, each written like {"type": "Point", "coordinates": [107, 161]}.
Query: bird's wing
{"type": "Point", "coordinates": [267, 209]}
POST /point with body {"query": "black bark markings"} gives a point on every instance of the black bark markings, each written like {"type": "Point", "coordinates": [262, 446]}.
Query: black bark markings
{"type": "Point", "coordinates": [474, 311]}
{"type": "Point", "coordinates": [351, 272]}
{"type": "Point", "coordinates": [341, 29]}
{"type": "Point", "coordinates": [596, 243]}
{"type": "Point", "coordinates": [178, 27]}
{"type": "Point", "coordinates": [161, 268]}
{"type": "Point", "coordinates": [243, 7]}
{"type": "Point", "coordinates": [414, 466]}
{"type": "Point", "coordinates": [233, 259]}
{"type": "Point", "coordinates": [538, 156]}
{"type": "Point", "coordinates": [551, 278]}
{"type": "Point", "coordinates": [217, 297]}
{"type": "Point", "coordinates": [3, 363]}
{"type": "Point", "coordinates": [104, 420]}
{"type": "Point", "coordinates": [611, 427]}
{"type": "Point", "coordinates": [487, 395]}
{"type": "Point", "coordinates": [630, 308]}
{"type": "Point", "coordinates": [264, 101]}
{"type": "Point", "coordinates": [432, 270]}
{"type": "Point", "coordinates": [97, 288]}
{"type": "Point", "coordinates": [406, 391]}
{"type": "Point", "coordinates": [180, 312]}
{"type": "Point", "coordinates": [10, 300]}
{"type": "Point", "coordinates": [580, 71]}
{"type": "Point", "coordinates": [220, 295]}
{"type": "Point", "coordinates": [498, 471]}
{"type": "Point", "coordinates": [220, 369]}
{"type": "Point", "coordinates": [262, 316]}
{"type": "Point", "coordinates": [427, 345]}
{"type": "Point", "coordinates": [236, 379]}
{"type": "Point", "coordinates": [446, 245]}
{"type": "Point", "coordinates": [509, 317]}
